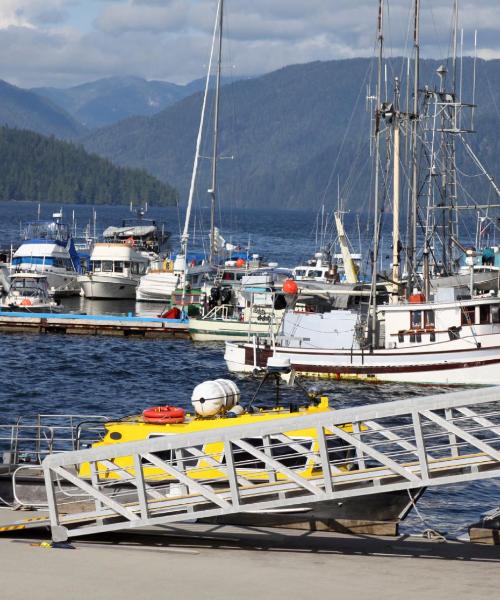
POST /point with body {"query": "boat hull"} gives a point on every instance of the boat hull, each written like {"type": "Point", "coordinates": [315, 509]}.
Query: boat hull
{"type": "Point", "coordinates": [475, 366]}
{"type": "Point", "coordinates": [108, 287]}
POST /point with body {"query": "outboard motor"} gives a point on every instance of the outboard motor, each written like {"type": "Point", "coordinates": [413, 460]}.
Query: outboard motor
{"type": "Point", "coordinates": [226, 295]}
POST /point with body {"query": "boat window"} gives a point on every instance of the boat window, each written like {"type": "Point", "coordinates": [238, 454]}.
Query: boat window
{"type": "Point", "coordinates": [134, 269]}
{"type": "Point", "coordinates": [107, 266]}
{"type": "Point", "coordinates": [495, 314]}
{"type": "Point", "coordinates": [239, 276]}
{"type": "Point", "coordinates": [415, 319]}
{"type": "Point", "coordinates": [429, 318]}
{"type": "Point", "coordinates": [468, 315]}
{"type": "Point", "coordinates": [288, 456]}
{"type": "Point", "coordinates": [142, 268]}
{"type": "Point", "coordinates": [484, 314]}
{"type": "Point", "coordinates": [228, 276]}
{"type": "Point", "coordinates": [300, 272]}
{"type": "Point", "coordinates": [118, 266]}
{"type": "Point", "coordinates": [126, 265]}
{"type": "Point", "coordinates": [96, 265]}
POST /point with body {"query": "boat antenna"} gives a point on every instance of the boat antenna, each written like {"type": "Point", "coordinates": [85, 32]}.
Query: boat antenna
{"type": "Point", "coordinates": [376, 220]}
{"type": "Point", "coordinates": [212, 191]}
{"type": "Point", "coordinates": [185, 233]}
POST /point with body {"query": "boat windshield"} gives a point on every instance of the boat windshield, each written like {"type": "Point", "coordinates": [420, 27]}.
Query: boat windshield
{"type": "Point", "coordinates": [46, 230]}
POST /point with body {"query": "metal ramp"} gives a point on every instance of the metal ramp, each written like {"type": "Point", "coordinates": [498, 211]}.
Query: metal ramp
{"type": "Point", "coordinates": [404, 445]}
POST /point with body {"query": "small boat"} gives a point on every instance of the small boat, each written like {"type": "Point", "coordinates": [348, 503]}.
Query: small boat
{"type": "Point", "coordinates": [116, 269]}
{"type": "Point", "coordinates": [215, 405]}
{"type": "Point", "coordinates": [47, 248]}
{"type": "Point", "coordinates": [28, 292]}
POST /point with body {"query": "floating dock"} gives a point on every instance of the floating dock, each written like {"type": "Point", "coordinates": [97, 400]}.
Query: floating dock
{"type": "Point", "coordinates": [126, 326]}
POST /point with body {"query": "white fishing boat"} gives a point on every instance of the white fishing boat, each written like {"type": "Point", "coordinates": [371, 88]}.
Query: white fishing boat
{"type": "Point", "coordinates": [28, 292]}
{"type": "Point", "coordinates": [116, 269]}
{"type": "Point", "coordinates": [439, 335]}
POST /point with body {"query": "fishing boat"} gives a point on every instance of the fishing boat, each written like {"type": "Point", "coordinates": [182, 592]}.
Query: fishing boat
{"type": "Point", "coordinates": [47, 248]}
{"type": "Point", "coordinates": [215, 405]}
{"type": "Point", "coordinates": [425, 333]}
{"type": "Point", "coordinates": [254, 307]}
{"type": "Point", "coordinates": [28, 292]}
{"type": "Point", "coordinates": [116, 269]}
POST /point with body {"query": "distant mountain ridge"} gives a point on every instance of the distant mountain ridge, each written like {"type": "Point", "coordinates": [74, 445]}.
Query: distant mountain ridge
{"type": "Point", "coordinates": [25, 110]}
{"type": "Point", "coordinates": [292, 134]}
{"type": "Point", "coordinates": [107, 101]}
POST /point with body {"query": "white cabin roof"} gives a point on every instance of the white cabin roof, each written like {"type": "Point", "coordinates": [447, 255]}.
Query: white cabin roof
{"type": "Point", "coordinates": [111, 251]}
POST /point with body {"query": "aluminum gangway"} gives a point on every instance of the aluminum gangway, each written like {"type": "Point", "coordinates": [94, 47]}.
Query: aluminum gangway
{"type": "Point", "coordinates": [403, 445]}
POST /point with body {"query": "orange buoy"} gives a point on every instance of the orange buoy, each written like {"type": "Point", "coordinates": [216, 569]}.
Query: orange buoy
{"type": "Point", "coordinates": [163, 414]}
{"type": "Point", "coordinates": [26, 302]}
{"type": "Point", "coordinates": [240, 263]}
{"type": "Point", "coordinates": [290, 286]}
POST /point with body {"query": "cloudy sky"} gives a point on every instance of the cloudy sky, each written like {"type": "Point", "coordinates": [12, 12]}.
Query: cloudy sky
{"type": "Point", "coordinates": [65, 42]}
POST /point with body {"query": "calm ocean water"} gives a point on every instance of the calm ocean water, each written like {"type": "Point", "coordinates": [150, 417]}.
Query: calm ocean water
{"type": "Point", "coordinates": [99, 375]}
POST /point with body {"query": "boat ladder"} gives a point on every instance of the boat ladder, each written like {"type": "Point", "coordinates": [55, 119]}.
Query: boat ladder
{"type": "Point", "coordinates": [404, 445]}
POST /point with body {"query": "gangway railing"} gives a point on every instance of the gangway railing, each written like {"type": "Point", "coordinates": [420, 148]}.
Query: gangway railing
{"type": "Point", "coordinates": [403, 445]}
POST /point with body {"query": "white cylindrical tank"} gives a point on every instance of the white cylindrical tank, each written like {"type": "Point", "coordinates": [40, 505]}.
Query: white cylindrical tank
{"type": "Point", "coordinates": [212, 397]}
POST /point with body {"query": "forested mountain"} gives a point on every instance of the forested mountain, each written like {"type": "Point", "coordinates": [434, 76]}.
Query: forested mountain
{"type": "Point", "coordinates": [290, 134]}
{"type": "Point", "coordinates": [106, 101]}
{"type": "Point", "coordinates": [34, 167]}
{"type": "Point", "coordinates": [26, 110]}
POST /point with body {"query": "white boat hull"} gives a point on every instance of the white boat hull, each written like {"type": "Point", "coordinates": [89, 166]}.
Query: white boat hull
{"type": "Point", "coordinates": [212, 330]}
{"type": "Point", "coordinates": [108, 286]}
{"type": "Point", "coordinates": [474, 366]}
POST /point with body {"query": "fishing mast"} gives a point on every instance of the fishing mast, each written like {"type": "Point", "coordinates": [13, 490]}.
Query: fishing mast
{"type": "Point", "coordinates": [376, 217]}
{"type": "Point", "coordinates": [215, 148]}
{"type": "Point", "coordinates": [412, 245]}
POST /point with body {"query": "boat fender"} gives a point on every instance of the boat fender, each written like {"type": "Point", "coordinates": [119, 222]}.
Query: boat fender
{"type": "Point", "coordinates": [164, 414]}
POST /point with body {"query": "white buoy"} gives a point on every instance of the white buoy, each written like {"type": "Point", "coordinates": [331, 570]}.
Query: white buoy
{"type": "Point", "coordinates": [213, 397]}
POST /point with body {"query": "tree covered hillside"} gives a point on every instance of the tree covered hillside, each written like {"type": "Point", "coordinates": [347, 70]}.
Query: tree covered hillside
{"type": "Point", "coordinates": [42, 169]}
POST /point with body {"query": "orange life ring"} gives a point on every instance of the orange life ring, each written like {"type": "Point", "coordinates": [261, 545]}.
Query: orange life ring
{"type": "Point", "coordinates": [130, 241]}
{"type": "Point", "coordinates": [164, 414]}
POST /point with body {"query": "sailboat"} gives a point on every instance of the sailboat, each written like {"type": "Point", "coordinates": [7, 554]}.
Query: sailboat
{"type": "Point", "coordinates": [446, 335]}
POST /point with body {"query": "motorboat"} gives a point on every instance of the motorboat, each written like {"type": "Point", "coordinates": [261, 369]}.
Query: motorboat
{"type": "Point", "coordinates": [164, 277]}
{"type": "Point", "coordinates": [28, 292]}
{"type": "Point", "coordinates": [116, 269]}
{"type": "Point", "coordinates": [48, 248]}
{"type": "Point", "coordinates": [255, 307]}
{"type": "Point", "coordinates": [215, 405]}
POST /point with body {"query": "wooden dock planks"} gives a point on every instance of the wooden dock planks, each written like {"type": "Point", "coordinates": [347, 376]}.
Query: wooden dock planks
{"type": "Point", "coordinates": [145, 327]}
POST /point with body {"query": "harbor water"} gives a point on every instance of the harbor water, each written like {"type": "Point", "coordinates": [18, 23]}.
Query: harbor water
{"type": "Point", "coordinates": [118, 376]}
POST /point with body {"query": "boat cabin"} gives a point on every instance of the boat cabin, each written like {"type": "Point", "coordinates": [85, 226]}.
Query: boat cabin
{"type": "Point", "coordinates": [117, 258]}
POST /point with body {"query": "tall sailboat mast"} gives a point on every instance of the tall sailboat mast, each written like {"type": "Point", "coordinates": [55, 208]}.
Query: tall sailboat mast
{"type": "Point", "coordinates": [213, 190]}
{"type": "Point", "coordinates": [185, 232]}
{"type": "Point", "coordinates": [376, 218]}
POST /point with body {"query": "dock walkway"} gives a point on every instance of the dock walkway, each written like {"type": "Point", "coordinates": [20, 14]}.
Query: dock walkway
{"type": "Point", "coordinates": [147, 327]}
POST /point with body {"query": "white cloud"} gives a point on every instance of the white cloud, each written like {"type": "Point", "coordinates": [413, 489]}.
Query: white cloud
{"type": "Point", "coordinates": [45, 42]}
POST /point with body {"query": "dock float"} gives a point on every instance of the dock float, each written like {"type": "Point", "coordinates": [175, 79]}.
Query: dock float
{"type": "Point", "coordinates": [126, 326]}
